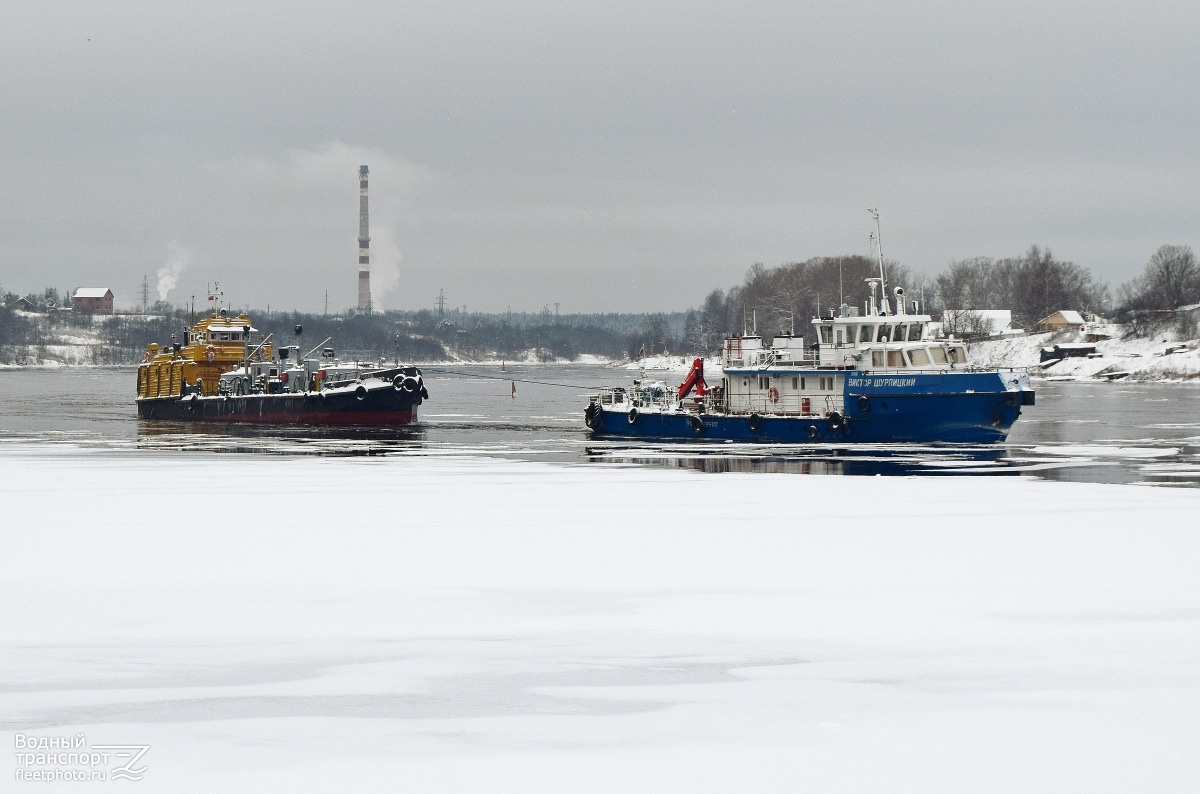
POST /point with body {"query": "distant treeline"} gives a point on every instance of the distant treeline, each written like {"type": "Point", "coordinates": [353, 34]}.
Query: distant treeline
{"type": "Point", "coordinates": [410, 336]}
{"type": "Point", "coordinates": [121, 339]}
{"type": "Point", "coordinates": [770, 300]}
{"type": "Point", "coordinates": [1032, 286]}
{"type": "Point", "coordinates": [429, 336]}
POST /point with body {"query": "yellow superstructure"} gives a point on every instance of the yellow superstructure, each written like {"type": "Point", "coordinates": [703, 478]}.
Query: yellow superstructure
{"type": "Point", "coordinates": [214, 345]}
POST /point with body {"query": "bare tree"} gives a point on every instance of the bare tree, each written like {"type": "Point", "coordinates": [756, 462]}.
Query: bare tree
{"type": "Point", "coordinates": [967, 323]}
{"type": "Point", "coordinates": [1171, 278]}
{"type": "Point", "coordinates": [1043, 284]}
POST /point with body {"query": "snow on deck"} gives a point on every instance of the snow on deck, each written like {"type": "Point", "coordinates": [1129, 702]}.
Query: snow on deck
{"type": "Point", "coordinates": [418, 624]}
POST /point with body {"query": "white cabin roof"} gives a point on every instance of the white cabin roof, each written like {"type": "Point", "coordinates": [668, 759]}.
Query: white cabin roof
{"type": "Point", "coordinates": [91, 292]}
{"type": "Point", "coordinates": [1069, 316]}
{"type": "Point", "coordinates": [1001, 318]}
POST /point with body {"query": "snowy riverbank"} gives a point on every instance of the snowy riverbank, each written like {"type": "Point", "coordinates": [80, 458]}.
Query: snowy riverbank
{"type": "Point", "coordinates": [457, 625]}
{"type": "Point", "coordinates": [1161, 357]}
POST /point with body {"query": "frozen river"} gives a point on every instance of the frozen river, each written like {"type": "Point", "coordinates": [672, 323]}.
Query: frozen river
{"type": "Point", "coordinates": [495, 603]}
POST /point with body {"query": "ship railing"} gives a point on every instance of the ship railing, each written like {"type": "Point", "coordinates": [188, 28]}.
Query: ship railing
{"type": "Point", "coordinates": [936, 370]}
{"type": "Point", "coordinates": [664, 402]}
{"type": "Point", "coordinates": [805, 360]}
{"type": "Point", "coordinates": [785, 405]}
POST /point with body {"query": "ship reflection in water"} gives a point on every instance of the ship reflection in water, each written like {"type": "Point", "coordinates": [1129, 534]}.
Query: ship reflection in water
{"type": "Point", "coordinates": [1159, 464]}
{"type": "Point", "coordinates": [240, 438]}
{"type": "Point", "coordinates": [857, 460]}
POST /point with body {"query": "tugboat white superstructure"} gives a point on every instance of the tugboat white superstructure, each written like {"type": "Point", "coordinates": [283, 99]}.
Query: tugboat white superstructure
{"type": "Point", "coordinates": [874, 376]}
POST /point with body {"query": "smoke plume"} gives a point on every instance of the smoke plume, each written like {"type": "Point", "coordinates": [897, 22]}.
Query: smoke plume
{"type": "Point", "coordinates": [168, 275]}
{"type": "Point", "coordinates": [386, 259]}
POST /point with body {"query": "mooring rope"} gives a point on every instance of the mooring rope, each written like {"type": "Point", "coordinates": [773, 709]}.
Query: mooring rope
{"type": "Point", "coordinates": [514, 380]}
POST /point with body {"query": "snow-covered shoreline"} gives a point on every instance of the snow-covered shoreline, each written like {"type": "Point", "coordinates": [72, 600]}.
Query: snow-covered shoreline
{"type": "Point", "coordinates": [1162, 357]}
{"type": "Point", "coordinates": [1154, 357]}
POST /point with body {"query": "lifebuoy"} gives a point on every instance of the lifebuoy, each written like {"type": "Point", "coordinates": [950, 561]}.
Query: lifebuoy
{"type": "Point", "coordinates": [632, 416]}
{"type": "Point", "coordinates": [697, 424]}
{"type": "Point", "coordinates": [755, 423]}
{"type": "Point", "coordinates": [773, 394]}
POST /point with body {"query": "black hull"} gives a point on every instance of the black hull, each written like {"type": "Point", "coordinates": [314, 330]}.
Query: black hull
{"type": "Point", "coordinates": [377, 407]}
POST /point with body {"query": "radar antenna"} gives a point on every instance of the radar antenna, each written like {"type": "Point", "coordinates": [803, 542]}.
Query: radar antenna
{"type": "Point", "coordinates": [877, 240]}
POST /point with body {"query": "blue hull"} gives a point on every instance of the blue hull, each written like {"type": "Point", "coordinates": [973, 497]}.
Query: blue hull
{"type": "Point", "coordinates": [955, 407]}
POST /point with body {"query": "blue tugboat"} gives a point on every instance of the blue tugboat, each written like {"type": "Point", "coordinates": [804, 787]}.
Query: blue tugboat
{"type": "Point", "coordinates": [875, 377]}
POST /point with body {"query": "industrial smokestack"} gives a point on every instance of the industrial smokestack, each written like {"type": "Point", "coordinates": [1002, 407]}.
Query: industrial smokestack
{"type": "Point", "coordinates": [364, 244]}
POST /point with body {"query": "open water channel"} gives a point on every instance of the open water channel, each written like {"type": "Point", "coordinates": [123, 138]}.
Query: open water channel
{"type": "Point", "coordinates": [1077, 431]}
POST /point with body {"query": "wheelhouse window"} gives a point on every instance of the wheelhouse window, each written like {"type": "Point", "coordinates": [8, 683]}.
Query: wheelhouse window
{"type": "Point", "coordinates": [826, 335]}
{"type": "Point", "coordinates": [901, 333]}
{"type": "Point", "coordinates": [914, 332]}
{"type": "Point", "coordinates": [866, 333]}
{"type": "Point", "coordinates": [839, 337]}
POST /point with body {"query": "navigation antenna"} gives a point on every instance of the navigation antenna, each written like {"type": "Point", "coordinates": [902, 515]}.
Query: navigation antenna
{"type": "Point", "coordinates": [877, 239]}
{"type": "Point", "coordinates": [215, 296]}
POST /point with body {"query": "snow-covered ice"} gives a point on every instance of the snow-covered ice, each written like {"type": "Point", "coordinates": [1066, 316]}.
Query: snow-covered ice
{"type": "Point", "coordinates": [462, 624]}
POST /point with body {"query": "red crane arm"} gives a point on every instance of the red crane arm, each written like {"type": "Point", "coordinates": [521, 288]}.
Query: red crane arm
{"type": "Point", "coordinates": [694, 380]}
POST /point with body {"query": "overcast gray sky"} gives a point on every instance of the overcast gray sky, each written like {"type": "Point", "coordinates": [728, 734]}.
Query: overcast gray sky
{"type": "Point", "coordinates": [606, 156]}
